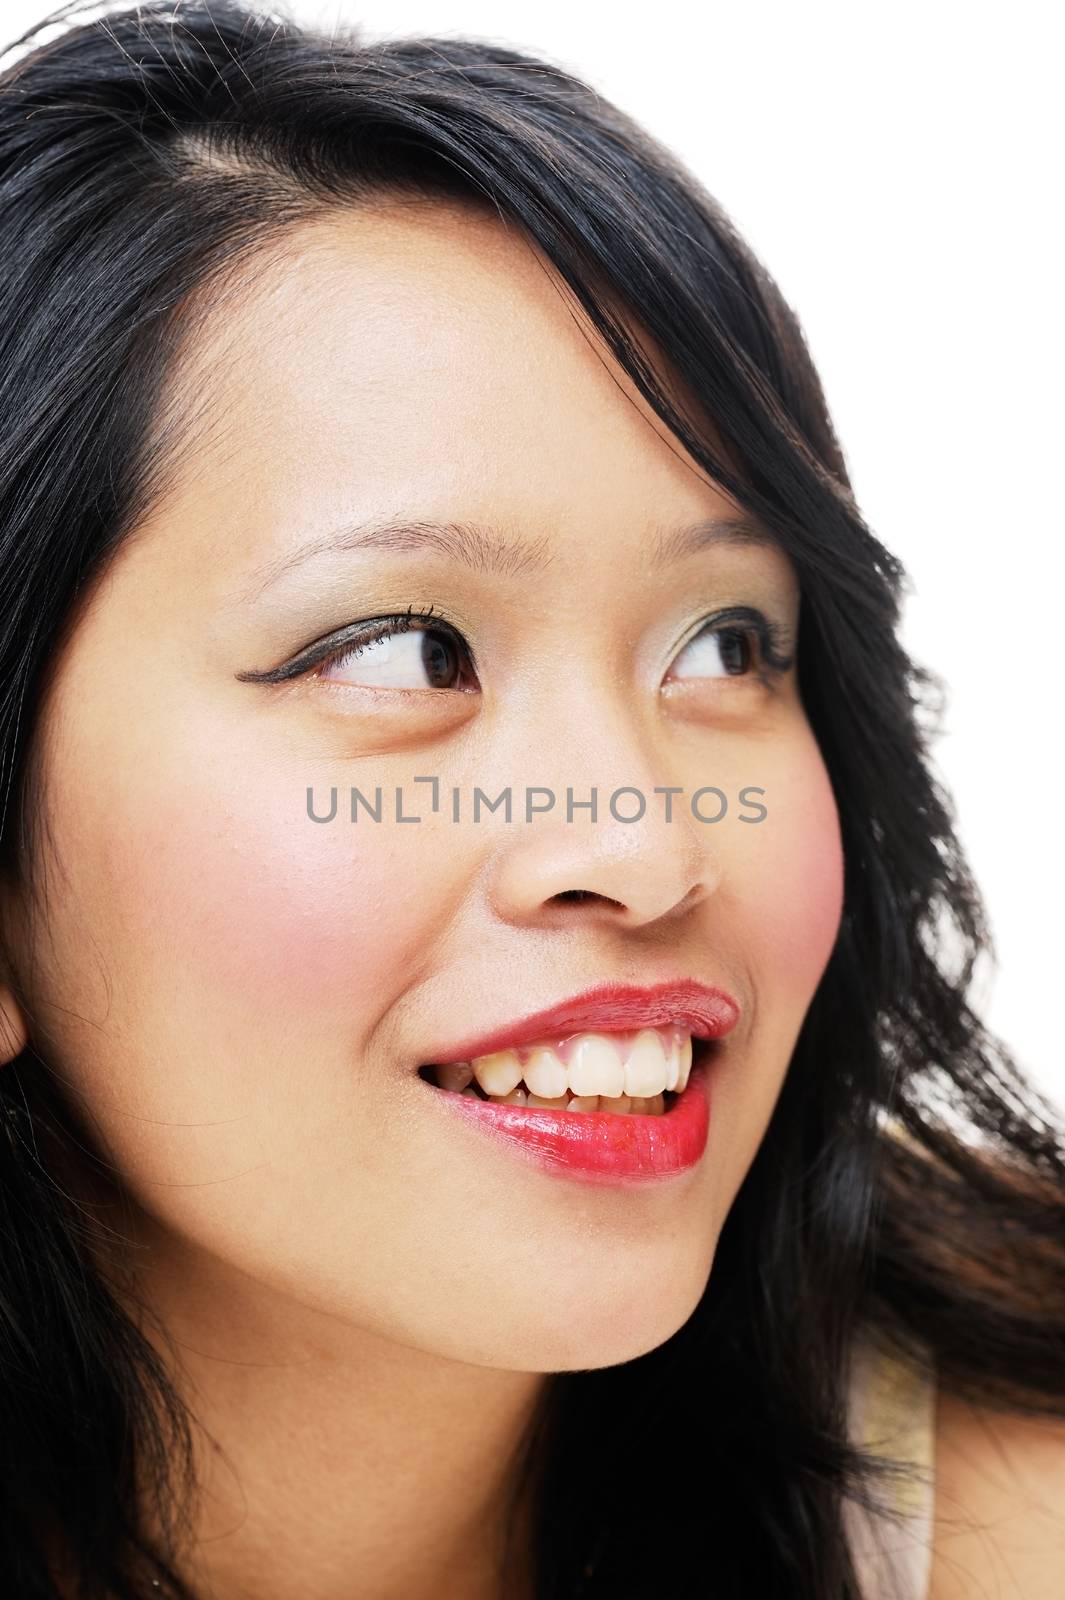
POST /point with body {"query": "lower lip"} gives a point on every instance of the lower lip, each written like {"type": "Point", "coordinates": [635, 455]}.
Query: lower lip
{"type": "Point", "coordinates": [598, 1146]}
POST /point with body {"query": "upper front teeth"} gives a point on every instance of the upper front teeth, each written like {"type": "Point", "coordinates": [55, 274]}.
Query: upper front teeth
{"type": "Point", "coordinates": [639, 1065]}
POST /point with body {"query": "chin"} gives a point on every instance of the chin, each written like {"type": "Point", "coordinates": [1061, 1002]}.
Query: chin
{"type": "Point", "coordinates": [601, 1327]}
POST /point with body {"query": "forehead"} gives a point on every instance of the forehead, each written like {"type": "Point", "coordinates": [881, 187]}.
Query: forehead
{"type": "Point", "coordinates": [430, 314]}
{"type": "Point", "coordinates": [424, 347]}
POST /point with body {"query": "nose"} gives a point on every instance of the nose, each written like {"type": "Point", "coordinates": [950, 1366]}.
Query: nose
{"type": "Point", "coordinates": [643, 859]}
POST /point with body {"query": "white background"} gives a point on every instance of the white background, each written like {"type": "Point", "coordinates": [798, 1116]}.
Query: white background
{"type": "Point", "coordinates": [898, 169]}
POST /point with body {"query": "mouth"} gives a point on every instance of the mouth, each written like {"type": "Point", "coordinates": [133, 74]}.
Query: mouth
{"type": "Point", "coordinates": [611, 1136]}
{"type": "Point", "coordinates": [638, 1072]}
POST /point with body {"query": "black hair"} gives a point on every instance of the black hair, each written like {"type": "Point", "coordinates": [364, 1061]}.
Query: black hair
{"type": "Point", "coordinates": [910, 1176]}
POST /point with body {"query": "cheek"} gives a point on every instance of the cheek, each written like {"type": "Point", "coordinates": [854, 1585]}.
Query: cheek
{"type": "Point", "coordinates": [780, 918]}
{"type": "Point", "coordinates": [248, 954]}
{"type": "Point", "coordinates": [326, 918]}
{"type": "Point", "coordinates": [794, 875]}
{"type": "Point", "coordinates": [216, 913]}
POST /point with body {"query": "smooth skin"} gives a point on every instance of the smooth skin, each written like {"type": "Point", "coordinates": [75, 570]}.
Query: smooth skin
{"type": "Point", "coordinates": [360, 1296]}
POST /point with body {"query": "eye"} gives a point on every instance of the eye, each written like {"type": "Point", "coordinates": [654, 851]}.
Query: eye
{"type": "Point", "coordinates": [730, 643]}
{"type": "Point", "coordinates": [398, 653]}
{"type": "Point", "coordinates": [393, 652]}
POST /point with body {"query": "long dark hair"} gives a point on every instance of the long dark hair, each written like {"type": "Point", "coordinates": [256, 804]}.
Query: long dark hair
{"type": "Point", "coordinates": [909, 1177]}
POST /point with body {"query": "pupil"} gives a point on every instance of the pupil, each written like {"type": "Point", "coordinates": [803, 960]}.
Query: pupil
{"type": "Point", "coordinates": [735, 644]}
{"type": "Point", "coordinates": [438, 658]}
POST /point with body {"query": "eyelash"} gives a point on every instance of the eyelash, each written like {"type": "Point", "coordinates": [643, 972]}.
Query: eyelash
{"type": "Point", "coordinates": [773, 643]}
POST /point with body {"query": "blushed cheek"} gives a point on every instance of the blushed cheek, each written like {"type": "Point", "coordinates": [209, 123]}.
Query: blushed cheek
{"type": "Point", "coordinates": [312, 923]}
{"type": "Point", "coordinates": [800, 882]}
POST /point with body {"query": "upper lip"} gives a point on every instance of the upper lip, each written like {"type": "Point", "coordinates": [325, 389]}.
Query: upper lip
{"type": "Point", "coordinates": [707, 1012]}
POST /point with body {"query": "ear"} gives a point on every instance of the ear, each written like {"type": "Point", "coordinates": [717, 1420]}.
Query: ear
{"type": "Point", "coordinates": [14, 1035]}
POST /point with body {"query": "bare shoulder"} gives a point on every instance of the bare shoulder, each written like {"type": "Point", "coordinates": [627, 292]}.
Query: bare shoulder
{"type": "Point", "coordinates": [999, 1523]}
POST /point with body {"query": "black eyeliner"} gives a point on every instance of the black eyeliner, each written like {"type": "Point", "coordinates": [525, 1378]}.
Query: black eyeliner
{"type": "Point", "coordinates": [355, 633]}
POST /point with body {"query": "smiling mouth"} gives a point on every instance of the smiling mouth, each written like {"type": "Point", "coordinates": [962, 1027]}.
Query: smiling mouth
{"type": "Point", "coordinates": [637, 1073]}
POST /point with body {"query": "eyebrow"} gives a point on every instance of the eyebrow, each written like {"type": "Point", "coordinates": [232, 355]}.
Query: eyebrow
{"type": "Point", "coordinates": [488, 549]}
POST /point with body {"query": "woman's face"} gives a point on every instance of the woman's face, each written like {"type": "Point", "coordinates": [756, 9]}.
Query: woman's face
{"type": "Point", "coordinates": [238, 996]}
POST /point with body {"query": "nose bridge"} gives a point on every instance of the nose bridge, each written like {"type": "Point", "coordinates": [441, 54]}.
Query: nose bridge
{"type": "Point", "coordinates": [639, 848]}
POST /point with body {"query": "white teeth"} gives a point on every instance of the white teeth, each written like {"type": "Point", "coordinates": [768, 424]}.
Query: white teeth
{"type": "Point", "coordinates": [546, 1075]}
{"type": "Point", "coordinates": [645, 1070]}
{"type": "Point", "coordinates": [498, 1073]}
{"type": "Point", "coordinates": [684, 1058]}
{"type": "Point", "coordinates": [595, 1067]}
{"type": "Point", "coordinates": [672, 1065]}
{"type": "Point", "coordinates": [622, 1106]}
{"type": "Point", "coordinates": [635, 1067]}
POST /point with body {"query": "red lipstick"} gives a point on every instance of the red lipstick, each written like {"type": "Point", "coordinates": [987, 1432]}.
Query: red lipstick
{"type": "Point", "coordinates": [706, 1012]}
